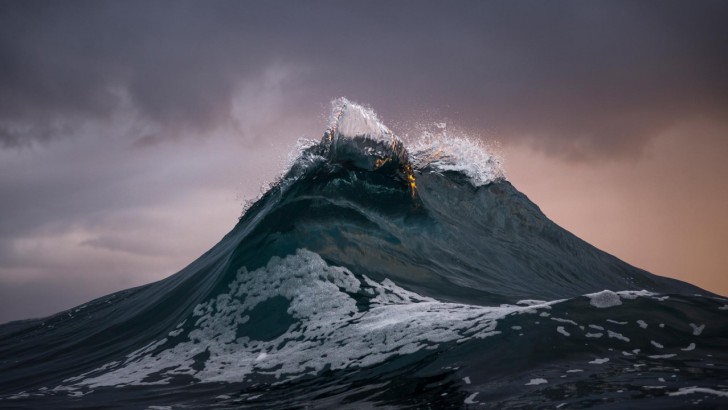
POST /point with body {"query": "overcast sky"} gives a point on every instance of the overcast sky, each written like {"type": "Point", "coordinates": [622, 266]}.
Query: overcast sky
{"type": "Point", "coordinates": [131, 132]}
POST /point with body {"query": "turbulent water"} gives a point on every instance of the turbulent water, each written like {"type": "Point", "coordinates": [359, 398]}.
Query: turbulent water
{"type": "Point", "coordinates": [379, 274]}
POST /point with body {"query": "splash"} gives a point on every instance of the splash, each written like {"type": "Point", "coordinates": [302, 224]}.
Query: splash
{"type": "Point", "coordinates": [349, 119]}
{"type": "Point", "coordinates": [356, 128]}
{"type": "Point", "coordinates": [443, 152]}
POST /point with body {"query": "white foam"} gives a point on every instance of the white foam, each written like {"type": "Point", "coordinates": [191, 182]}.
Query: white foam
{"type": "Point", "coordinates": [604, 299]}
{"type": "Point", "coordinates": [656, 344]}
{"type": "Point", "coordinates": [536, 382]}
{"type": "Point", "coordinates": [697, 330]}
{"type": "Point", "coordinates": [662, 356]}
{"type": "Point", "coordinates": [471, 157]}
{"type": "Point", "coordinates": [175, 332]}
{"type": "Point", "coordinates": [693, 390]}
{"type": "Point", "coordinates": [471, 399]}
{"type": "Point", "coordinates": [634, 294]}
{"type": "Point", "coordinates": [615, 335]}
{"type": "Point", "coordinates": [616, 322]}
{"type": "Point", "coordinates": [331, 331]}
{"type": "Point", "coordinates": [642, 324]}
{"type": "Point", "coordinates": [558, 319]}
{"type": "Point", "coordinates": [690, 347]}
{"type": "Point", "coordinates": [530, 302]}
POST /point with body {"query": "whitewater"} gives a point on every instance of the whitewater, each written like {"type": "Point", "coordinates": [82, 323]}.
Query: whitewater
{"type": "Point", "coordinates": [378, 272]}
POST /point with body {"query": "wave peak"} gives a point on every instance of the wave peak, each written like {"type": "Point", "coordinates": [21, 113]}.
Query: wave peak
{"type": "Point", "coordinates": [355, 136]}
{"type": "Point", "coordinates": [349, 119]}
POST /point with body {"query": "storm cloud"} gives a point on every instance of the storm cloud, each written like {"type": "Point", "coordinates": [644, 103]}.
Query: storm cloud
{"type": "Point", "coordinates": [576, 78]}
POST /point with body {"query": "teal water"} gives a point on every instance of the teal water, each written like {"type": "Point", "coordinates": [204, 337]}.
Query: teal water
{"type": "Point", "coordinates": [373, 275]}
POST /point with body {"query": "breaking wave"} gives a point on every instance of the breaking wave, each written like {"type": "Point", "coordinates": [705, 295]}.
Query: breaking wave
{"type": "Point", "coordinates": [379, 272]}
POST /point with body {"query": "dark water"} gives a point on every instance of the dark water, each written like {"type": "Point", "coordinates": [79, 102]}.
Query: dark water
{"type": "Point", "coordinates": [367, 278]}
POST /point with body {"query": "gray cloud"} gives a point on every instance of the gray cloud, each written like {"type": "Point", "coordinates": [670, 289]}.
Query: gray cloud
{"type": "Point", "coordinates": [578, 78]}
{"type": "Point", "coordinates": [92, 215]}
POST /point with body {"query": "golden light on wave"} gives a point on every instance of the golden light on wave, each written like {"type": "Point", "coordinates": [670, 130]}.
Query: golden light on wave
{"type": "Point", "coordinates": [411, 179]}
{"type": "Point", "coordinates": [381, 161]}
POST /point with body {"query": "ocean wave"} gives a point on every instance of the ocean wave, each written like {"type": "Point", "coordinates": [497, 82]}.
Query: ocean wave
{"type": "Point", "coordinates": [383, 272]}
{"type": "Point", "coordinates": [299, 317]}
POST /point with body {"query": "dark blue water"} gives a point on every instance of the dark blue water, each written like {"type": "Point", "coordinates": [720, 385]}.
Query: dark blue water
{"type": "Point", "coordinates": [379, 275]}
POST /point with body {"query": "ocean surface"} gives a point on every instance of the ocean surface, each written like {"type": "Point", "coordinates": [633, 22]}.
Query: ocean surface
{"type": "Point", "coordinates": [382, 274]}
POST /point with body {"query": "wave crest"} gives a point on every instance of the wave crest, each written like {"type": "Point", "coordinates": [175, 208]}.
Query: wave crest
{"type": "Point", "coordinates": [357, 138]}
{"type": "Point", "coordinates": [471, 157]}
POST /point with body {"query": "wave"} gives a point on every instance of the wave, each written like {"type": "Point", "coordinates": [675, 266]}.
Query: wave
{"type": "Point", "coordinates": [378, 272]}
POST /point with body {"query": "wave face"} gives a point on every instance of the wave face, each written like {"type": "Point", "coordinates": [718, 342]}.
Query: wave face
{"type": "Point", "coordinates": [378, 273]}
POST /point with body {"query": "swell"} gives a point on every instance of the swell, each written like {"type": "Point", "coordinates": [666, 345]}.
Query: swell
{"type": "Point", "coordinates": [404, 242]}
{"type": "Point", "coordinates": [299, 324]}
{"type": "Point", "coordinates": [506, 249]}
{"type": "Point", "coordinates": [452, 241]}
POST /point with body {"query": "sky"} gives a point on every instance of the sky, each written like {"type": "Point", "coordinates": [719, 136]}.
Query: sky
{"type": "Point", "coordinates": [133, 132]}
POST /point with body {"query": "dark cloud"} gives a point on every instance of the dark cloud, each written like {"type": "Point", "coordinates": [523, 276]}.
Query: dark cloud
{"type": "Point", "coordinates": [577, 77]}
